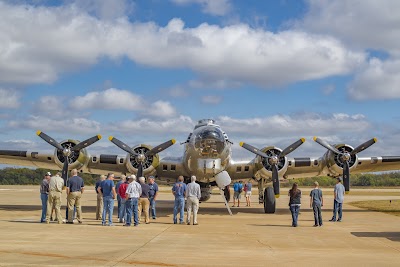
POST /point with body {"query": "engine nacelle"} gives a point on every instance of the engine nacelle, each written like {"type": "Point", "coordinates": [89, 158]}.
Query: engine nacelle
{"type": "Point", "coordinates": [265, 167]}
{"type": "Point", "coordinates": [150, 163]}
{"type": "Point", "coordinates": [76, 160]}
{"type": "Point", "coordinates": [333, 162]}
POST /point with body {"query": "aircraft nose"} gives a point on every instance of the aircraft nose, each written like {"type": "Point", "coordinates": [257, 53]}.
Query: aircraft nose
{"type": "Point", "coordinates": [209, 134]}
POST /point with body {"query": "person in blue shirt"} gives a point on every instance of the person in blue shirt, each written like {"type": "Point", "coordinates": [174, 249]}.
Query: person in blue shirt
{"type": "Point", "coordinates": [109, 194]}
{"type": "Point", "coordinates": [179, 191]}
{"type": "Point", "coordinates": [338, 201]}
{"type": "Point", "coordinates": [153, 196]}
{"type": "Point", "coordinates": [237, 192]}
{"type": "Point", "coordinates": [119, 199]}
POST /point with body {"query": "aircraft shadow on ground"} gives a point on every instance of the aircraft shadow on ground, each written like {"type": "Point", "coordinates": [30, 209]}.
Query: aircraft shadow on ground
{"type": "Point", "coordinates": [393, 236]}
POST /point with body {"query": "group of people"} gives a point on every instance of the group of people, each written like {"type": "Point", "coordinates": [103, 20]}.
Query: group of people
{"type": "Point", "coordinates": [238, 188]}
{"type": "Point", "coordinates": [134, 197]}
{"type": "Point", "coordinates": [317, 202]}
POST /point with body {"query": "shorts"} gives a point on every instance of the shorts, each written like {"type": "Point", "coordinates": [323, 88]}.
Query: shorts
{"type": "Point", "coordinates": [237, 195]}
{"type": "Point", "coordinates": [248, 193]}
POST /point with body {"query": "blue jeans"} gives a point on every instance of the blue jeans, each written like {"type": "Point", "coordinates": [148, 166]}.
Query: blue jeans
{"type": "Point", "coordinates": [44, 198]}
{"type": "Point", "coordinates": [152, 207]}
{"type": "Point", "coordinates": [337, 207]}
{"type": "Point", "coordinates": [108, 208]}
{"type": "Point", "coordinates": [122, 210]}
{"type": "Point", "coordinates": [132, 205]}
{"type": "Point", "coordinates": [119, 206]}
{"type": "Point", "coordinates": [179, 204]}
{"type": "Point", "coordinates": [295, 214]}
{"type": "Point", "coordinates": [73, 215]}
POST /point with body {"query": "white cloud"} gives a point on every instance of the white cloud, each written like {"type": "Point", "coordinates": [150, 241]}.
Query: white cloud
{"type": "Point", "coordinates": [50, 106]}
{"type": "Point", "coordinates": [9, 99]}
{"type": "Point", "coordinates": [178, 91]}
{"type": "Point", "coordinates": [365, 24]}
{"type": "Point", "coordinates": [213, 7]}
{"type": "Point", "coordinates": [378, 80]}
{"type": "Point", "coordinates": [108, 99]}
{"type": "Point", "coordinates": [211, 99]}
{"type": "Point", "coordinates": [106, 9]}
{"type": "Point", "coordinates": [73, 126]}
{"type": "Point", "coordinates": [39, 43]}
{"type": "Point", "coordinates": [161, 109]}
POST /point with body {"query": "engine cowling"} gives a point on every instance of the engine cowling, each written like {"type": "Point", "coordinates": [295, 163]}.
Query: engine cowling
{"type": "Point", "coordinates": [150, 163]}
{"type": "Point", "coordinates": [333, 162]}
{"type": "Point", "coordinates": [265, 167]}
{"type": "Point", "coordinates": [76, 160]}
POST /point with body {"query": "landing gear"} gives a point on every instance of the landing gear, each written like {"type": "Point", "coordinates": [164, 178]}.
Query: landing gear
{"type": "Point", "coordinates": [227, 193]}
{"type": "Point", "coordinates": [269, 200]}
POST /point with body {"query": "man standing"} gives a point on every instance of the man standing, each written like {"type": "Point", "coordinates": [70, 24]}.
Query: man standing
{"type": "Point", "coordinates": [237, 192]}
{"type": "Point", "coordinates": [316, 202]}
{"type": "Point", "coordinates": [249, 186]}
{"type": "Point", "coordinates": [109, 194]}
{"type": "Point", "coordinates": [75, 188]}
{"type": "Point", "coordinates": [55, 189]}
{"type": "Point", "coordinates": [44, 195]}
{"type": "Point", "coordinates": [132, 195]}
{"type": "Point", "coordinates": [122, 193]}
{"type": "Point", "coordinates": [193, 195]}
{"type": "Point", "coordinates": [153, 195]}
{"type": "Point", "coordinates": [338, 202]}
{"type": "Point", "coordinates": [99, 207]}
{"type": "Point", "coordinates": [121, 181]}
{"type": "Point", "coordinates": [144, 203]}
{"type": "Point", "coordinates": [179, 191]}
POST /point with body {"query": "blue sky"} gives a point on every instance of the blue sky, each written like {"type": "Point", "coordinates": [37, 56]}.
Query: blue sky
{"type": "Point", "coordinates": [269, 72]}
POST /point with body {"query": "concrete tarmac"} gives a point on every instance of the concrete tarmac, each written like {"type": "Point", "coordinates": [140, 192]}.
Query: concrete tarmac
{"type": "Point", "coordinates": [248, 238]}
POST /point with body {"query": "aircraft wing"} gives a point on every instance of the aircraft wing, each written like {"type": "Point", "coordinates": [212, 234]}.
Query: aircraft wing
{"type": "Point", "coordinates": [28, 158]}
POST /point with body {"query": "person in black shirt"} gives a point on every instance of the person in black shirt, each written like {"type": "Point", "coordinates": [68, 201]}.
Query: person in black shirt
{"type": "Point", "coordinates": [144, 202]}
{"type": "Point", "coordinates": [294, 203]}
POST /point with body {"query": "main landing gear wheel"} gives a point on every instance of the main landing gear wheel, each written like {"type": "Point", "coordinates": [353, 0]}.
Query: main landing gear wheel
{"type": "Point", "coordinates": [269, 200]}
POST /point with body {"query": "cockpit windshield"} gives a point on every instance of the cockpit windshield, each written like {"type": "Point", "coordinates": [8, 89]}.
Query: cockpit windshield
{"type": "Point", "coordinates": [210, 142]}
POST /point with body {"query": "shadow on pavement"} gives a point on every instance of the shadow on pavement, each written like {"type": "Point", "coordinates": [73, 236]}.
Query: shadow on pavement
{"type": "Point", "coordinates": [393, 236]}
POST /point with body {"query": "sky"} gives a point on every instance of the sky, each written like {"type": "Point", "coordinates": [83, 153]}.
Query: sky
{"type": "Point", "coordinates": [145, 71]}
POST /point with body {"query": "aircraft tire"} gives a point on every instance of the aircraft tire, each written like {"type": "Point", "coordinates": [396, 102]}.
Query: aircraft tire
{"type": "Point", "coordinates": [269, 200]}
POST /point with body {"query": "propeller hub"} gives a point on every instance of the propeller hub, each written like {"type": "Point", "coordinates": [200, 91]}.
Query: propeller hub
{"type": "Point", "coordinates": [66, 152]}
{"type": "Point", "coordinates": [273, 160]}
{"type": "Point", "coordinates": [141, 158]}
{"type": "Point", "coordinates": [346, 156]}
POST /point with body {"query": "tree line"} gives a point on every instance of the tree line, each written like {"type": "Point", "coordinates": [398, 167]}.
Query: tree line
{"type": "Point", "coordinates": [26, 176]}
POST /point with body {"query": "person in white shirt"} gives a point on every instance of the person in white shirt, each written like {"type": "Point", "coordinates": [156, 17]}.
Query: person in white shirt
{"type": "Point", "coordinates": [193, 195]}
{"type": "Point", "coordinates": [132, 193]}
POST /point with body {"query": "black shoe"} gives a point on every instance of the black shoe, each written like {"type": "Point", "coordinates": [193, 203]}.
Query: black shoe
{"type": "Point", "coordinates": [339, 220]}
{"type": "Point", "coordinates": [315, 225]}
{"type": "Point", "coordinates": [332, 220]}
{"type": "Point", "coordinates": [320, 225]}
{"type": "Point", "coordinates": [69, 222]}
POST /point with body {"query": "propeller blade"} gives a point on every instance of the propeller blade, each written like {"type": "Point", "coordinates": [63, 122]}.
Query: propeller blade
{"type": "Point", "coordinates": [160, 148]}
{"type": "Point", "coordinates": [86, 143]}
{"type": "Point", "coordinates": [346, 176]}
{"type": "Point", "coordinates": [49, 140]}
{"type": "Point", "coordinates": [326, 145]}
{"type": "Point", "coordinates": [122, 145]}
{"type": "Point", "coordinates": [65, 170]}
{"type": "Point", "coordinates": [275, 180]}
{"type": "Point", "coordinates": [292, 147]}
{"type": "Point", "coordinates": [140, 170]}
{"type": "Point", "coordinates": [364, 146]}
{"type": "Point", "coordinates": [253, 150]}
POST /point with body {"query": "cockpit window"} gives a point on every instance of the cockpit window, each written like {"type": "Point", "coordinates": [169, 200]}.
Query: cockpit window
{"type": "Point", "coordinates": [210, 142]}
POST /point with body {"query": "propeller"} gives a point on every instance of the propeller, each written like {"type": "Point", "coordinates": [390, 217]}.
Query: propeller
{"type": "Point", "coordinates": [345, 157]}
{"type": "Point", "coordinates": [274, 160]}
{"type": "Point", "coordinates": [139, 156]}
{"type": "Point", "coordinates": [68, 151]}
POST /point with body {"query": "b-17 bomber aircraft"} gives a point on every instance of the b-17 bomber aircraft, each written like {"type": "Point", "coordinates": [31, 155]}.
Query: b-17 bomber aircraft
{"type": "Point", "coordinates": [207, 155]}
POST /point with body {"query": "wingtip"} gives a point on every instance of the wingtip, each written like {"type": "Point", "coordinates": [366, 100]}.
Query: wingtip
{"type": "Point", "coordinates": [241, 144]}
{"type": "Point", "coordinates": [375, 139]}
{"type": "Point", "coordinates": [110, 137]}
{"type": "Point", "coordinates": [173, 141]}
{"type": "Point", "coordinates": [303, 139]}
{"type": "Point", "coordinates": [315, 138]}
{"type": "Point", "coordinates": [99, 136]}
{"type": "Point", "coordinates": [38, 132]}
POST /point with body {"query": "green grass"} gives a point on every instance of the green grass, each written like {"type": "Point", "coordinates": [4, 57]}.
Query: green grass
{"type": "Point", "coordinates": [379, 205]}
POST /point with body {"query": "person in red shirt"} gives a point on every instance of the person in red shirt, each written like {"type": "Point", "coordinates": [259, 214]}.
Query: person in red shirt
{"type": "Point", "coordinates": [121, 192]}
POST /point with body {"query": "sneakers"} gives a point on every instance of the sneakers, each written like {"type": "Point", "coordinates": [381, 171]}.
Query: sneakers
{"type": "Point", "coordinates": [103, 224]}
{"type": "Point", "coordinates": [188, 223]}
{"type": "Point", "coordinates": [315, 225]}
{"type": "Point", "coordinates": [195, 223]}
{"type": "Point", "coordinates": [332, 220]}
{"type": "Point", "coordinates": [339, 220]}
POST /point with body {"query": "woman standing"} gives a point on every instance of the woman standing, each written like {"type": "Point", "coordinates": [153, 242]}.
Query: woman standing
{"type": "Point", "coordinates": [294, 203]}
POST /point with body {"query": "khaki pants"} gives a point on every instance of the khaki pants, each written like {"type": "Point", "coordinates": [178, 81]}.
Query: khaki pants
{"type": "Point", "coordinates": [192, 203]}
{"type": "Point", "coordinates": [74, 199]}
{"type": "Point", "coordinates": [99, 207]}
{"type": "Point", "coordinates": [144, 204]}
{"type": "Point", "coordinates": [54, 202]}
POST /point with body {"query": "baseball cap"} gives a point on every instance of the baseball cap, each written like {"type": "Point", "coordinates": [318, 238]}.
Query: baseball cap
{"type": "Point", "coordinates": [152, 177]}
{"type": "Point", "coordinates": [340, 179]}
{"type": "Point", "coordinates": [48, 174]}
